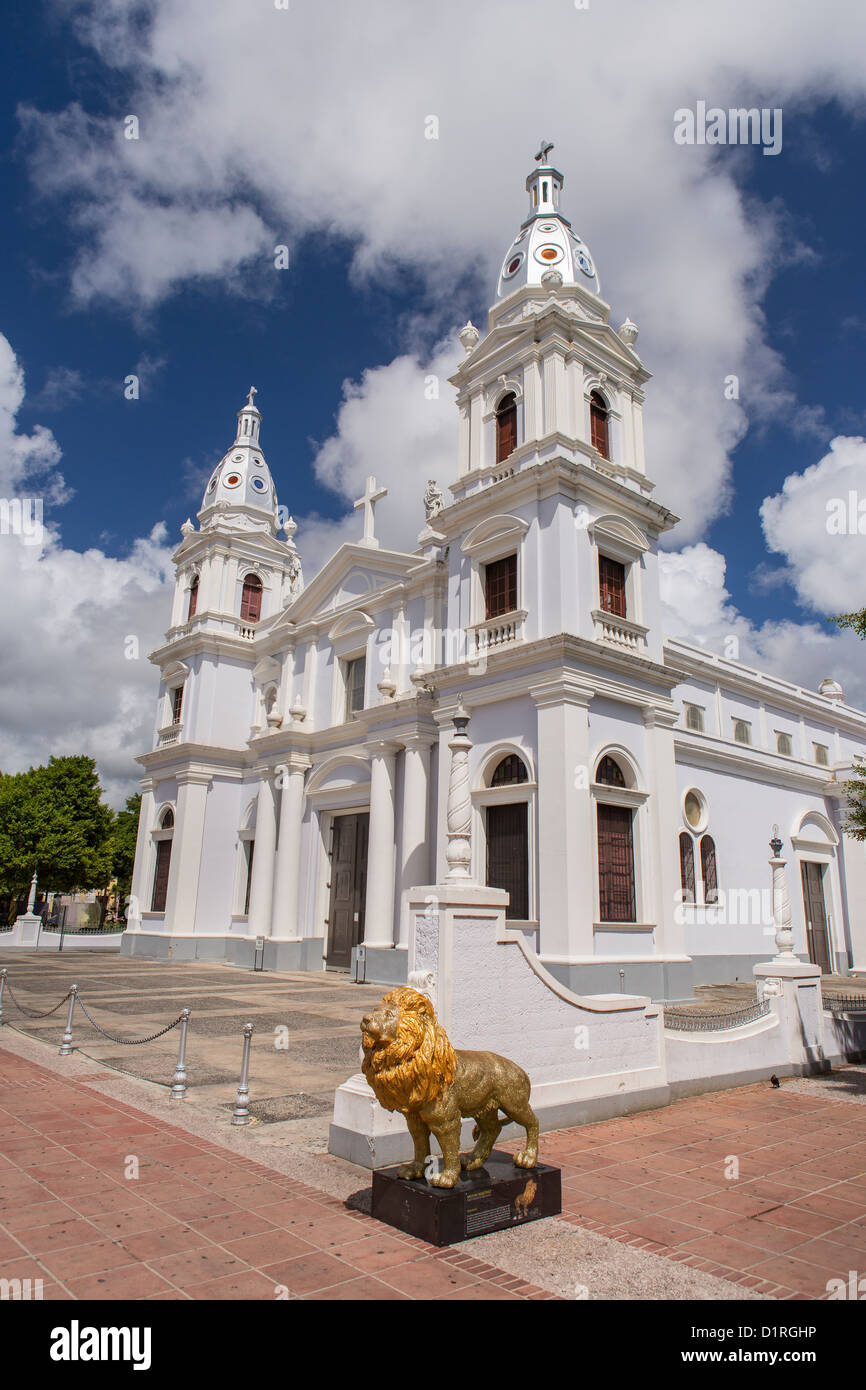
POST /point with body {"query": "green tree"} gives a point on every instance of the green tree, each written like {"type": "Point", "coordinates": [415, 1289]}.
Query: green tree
{"type": "Point", "coordinates": [54, 823]}
{"type": "Point", "coordinates": [123, 837]}
{"type": "Point", "coordinates": [855, 786]}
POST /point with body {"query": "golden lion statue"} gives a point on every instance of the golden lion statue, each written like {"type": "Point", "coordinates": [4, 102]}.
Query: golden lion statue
{"type": "Point", "coordinates": [412, 1068]}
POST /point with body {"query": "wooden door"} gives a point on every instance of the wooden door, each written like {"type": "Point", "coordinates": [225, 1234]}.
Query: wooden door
{"type": "Point", "coordinates": [508, 855]}
{"type": "Point", "coordinates": [348, 888]}
{"type": "Point", "coordinates": [615, 864]}
{"type": "Point", "coordinates": [817, 932]}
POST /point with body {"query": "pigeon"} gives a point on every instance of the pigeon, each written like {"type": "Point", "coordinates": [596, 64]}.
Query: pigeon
{"type": "Point", "coordinates": [774, 1081]}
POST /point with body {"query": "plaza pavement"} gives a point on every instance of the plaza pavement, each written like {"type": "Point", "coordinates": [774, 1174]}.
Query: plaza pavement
{"type": "Point", "coordinates": [649, 1207]}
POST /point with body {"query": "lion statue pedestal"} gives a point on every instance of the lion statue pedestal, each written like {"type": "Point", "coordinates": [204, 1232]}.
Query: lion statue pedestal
{"type": "Point", "coordinates": [412, 1068]}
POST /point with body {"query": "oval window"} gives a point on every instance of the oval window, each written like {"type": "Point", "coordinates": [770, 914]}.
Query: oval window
{"type": "Point", "coordinates": [233, 480]}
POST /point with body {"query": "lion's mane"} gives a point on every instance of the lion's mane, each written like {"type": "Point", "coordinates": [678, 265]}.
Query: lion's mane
{"type": "Point", "coordinates": [418, 1064]}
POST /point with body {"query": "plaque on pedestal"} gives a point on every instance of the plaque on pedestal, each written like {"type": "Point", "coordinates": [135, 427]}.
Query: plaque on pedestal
{"type": "Point", "coordinates": [493, 1198]}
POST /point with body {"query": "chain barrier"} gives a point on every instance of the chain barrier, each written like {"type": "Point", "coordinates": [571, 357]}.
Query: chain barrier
{"type": "Point", "coordinates": [130, 1042]}
{"type": "Point", "coordinates": [31, 1013]}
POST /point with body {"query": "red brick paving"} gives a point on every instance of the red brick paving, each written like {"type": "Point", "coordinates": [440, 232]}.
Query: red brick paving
{"type": "Point", "coordinates": [202, 1222]}
{"type": "Point", "coordinates": [795, 1217]}
{"type": "Point", "coordinates": [198, 1222]}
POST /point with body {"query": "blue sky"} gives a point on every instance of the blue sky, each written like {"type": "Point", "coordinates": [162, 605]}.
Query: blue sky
{"type": "Point", "coordinates": [739, 262]}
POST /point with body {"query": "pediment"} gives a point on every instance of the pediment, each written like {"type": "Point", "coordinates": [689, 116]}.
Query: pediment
{"type": "Point", "coordinates": [352, 577]}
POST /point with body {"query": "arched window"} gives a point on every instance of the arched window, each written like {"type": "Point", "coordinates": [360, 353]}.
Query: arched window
{"type": "Point", "coordinates": [251, 599]}
{"type": "Point", "coordinates": [598, 423]}
{"type": "Point", "coordinates": [506, 426]}
{"type": "Point", "coordinates": [193, 598]}
{"type": "Point", "coordinates": [687, 867]}
{"type": "Point", "coordinates": [708, 870]}
{"type": "Point", "coordinates": [609, 773]}
{"type": "Point", "coordinates": [163, 861]}
{"type": "Point", "coordinates": [511, 770]}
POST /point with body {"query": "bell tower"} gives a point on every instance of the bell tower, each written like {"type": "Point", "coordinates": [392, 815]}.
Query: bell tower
{"type": "Point", "coordinates": [551, 407]}
{"type": "Point", "coordinates": [234, 577]}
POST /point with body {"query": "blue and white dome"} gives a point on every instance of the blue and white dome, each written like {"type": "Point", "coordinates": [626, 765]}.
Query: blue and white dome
{"type": "Point", "coordinates": [242, 478]}
{"type": "Point", "coordinates": [546, 240]}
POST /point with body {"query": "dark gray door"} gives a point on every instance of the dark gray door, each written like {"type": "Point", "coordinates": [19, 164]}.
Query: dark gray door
{"type": "Point", "coordinates": [348, 888]}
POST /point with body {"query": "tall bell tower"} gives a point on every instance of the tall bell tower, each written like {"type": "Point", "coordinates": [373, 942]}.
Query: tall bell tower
{"type": "Point", "coordinates": [234, 576]}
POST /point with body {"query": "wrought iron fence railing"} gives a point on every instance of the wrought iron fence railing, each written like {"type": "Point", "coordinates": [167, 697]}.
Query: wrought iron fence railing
{"type": "Point", "coordinates": [844, 1003]}
{"type": "Point", "coordinates": [684, 1022]}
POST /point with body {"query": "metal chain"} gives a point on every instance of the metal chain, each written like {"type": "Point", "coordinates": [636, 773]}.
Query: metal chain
{"type": "Point", "coordinates": [30, 1013]}
{"type": "Point", "coordinates": [130, 1042]}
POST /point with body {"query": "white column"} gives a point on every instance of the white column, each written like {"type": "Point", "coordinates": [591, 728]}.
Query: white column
{"type": "Point", "coordinates": [285, 917]}
{"type": "Point", "coordinates": [532, 402]}
{"type": "Point", "coordinates": [415, 868]}
{"type": "Point", "coordinates": [463, 444]}
{"type": "Point", "coordinates": [261, 889]}
{"type": "Point", "coordinates": [476, 427]}
{"type": "Point", "coordinates": [379, 913]}
{"type": "Point", "coordinates": [555, 401]}
{"type": "Point", "coordinates": [178, 608]}
{"type": "Point", "coordinates": [186, 851]}
{"type": "Point", "coordinates": [661, 890]}
{"type": "Point", "coordinates": [138, 888]}
{"type": "Point", "coordinates": [566, 833]}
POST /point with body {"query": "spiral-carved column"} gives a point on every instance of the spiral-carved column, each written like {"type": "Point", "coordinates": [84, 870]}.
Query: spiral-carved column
{"type": "Point", "coordinates": [458, 855]}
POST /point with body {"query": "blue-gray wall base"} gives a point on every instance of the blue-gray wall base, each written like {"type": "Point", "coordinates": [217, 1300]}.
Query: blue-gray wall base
{"type": "Point", "coordinates": [277, 955]}
{"type": "Point", "coordinates": [386, 965]}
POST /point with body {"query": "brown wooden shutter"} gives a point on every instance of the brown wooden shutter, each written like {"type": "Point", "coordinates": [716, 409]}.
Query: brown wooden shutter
{"type": "Point", "coordinates": [598, 421]}
{"type": "Point", "coordinates": [687, 867]}
{"type": "Point", "coordinates": [611, 584]}
{"type": "Point", "coordinates": [506, 427]}
{"type": "Point", "coordinates": [160, 877]}
{"type": "Point", "coordinates": [500, 587]}
{"type": "Point", "coordinates": [193, 599]}
{"type": "Point", "coordinates": [251, 849]}
{"type": "Point", "coordinates": [508, 855]}
{"type": "Point", "coordinates": [708, 870]}
{"type": "Point", "coordinates": [615, 864]}
{"type": "Point", "coordinates": [251, 599]}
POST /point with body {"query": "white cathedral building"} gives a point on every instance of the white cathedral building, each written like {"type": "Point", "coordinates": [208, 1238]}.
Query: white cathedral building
{"type": "Point", "coordinates": [624, 785]}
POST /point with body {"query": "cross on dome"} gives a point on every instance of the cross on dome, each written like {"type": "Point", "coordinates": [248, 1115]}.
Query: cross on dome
{"type": "Point", "coordinates": [544, 150]}
{"type": "Point", "coordinates": [250, 402]}
{"type": "Point", "coordinates": [372, 494]}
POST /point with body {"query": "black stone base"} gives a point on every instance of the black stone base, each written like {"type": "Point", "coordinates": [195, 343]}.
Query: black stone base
{"type": "Point", "coordinates": [492, 1198]}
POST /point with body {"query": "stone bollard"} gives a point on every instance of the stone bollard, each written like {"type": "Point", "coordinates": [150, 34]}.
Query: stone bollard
{"type": "Point", "coordinates": [66, 1041]}
{"type": "Point", "coordinates": [178, 1081]}
{"type": "Point", "coordinates": [241, 1112]}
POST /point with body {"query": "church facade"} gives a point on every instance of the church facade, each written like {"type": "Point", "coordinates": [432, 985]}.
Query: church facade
{"type": "Point", "coordinates": [624, 786]}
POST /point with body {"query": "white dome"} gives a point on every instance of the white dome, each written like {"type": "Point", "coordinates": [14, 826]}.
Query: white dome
{"type": "Point", "coordinates": [242, 477]}
{"type": "Point", "coordinates": [546, 240]}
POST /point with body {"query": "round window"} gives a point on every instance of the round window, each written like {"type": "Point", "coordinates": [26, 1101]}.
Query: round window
{"type": "Point", "coordinates": [237, 458]}
{"type": "Point", "coordinates": [547, 226]}
{"type": "Point", "coordinates": [233, 480]}
{"type": "Point", "coordinates": [213, 482]}
{"type": "Point", "coordinates": [259, 484]}
{"type": "Point", "coordinates": [548, 255]}
{"type": "Point", "coordinates": [512, 266]}
{"type": "Point", "coordinates": [694, 809]}
{"type": "Point", "coordinates": [584, 260]}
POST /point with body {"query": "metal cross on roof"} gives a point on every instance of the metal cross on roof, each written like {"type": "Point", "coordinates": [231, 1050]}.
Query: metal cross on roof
{"type": "Point", "coordinates": [546, 147]}
{"type": "Point", "coordinates": [250, 401]}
